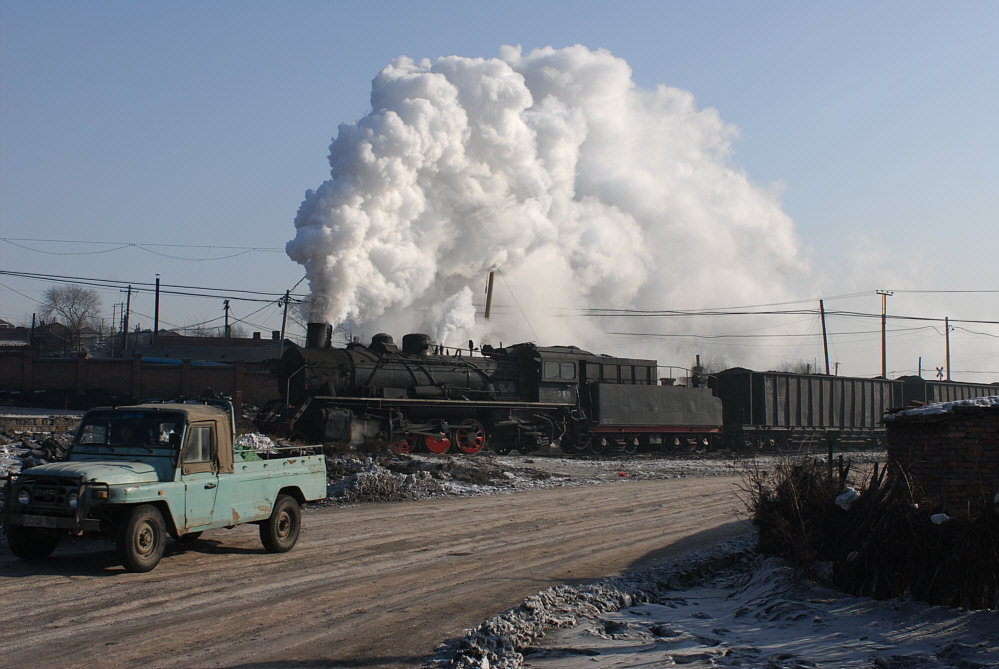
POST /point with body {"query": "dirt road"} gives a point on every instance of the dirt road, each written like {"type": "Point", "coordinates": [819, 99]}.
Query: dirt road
{"type": "Point", "coordinates": [376, 585]}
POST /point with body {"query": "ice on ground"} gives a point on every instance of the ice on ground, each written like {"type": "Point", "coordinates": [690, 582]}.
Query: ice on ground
{"type": "Point", "coordinates": [765, 617]}
{"type": "Point", "coordinates": [753, 614]}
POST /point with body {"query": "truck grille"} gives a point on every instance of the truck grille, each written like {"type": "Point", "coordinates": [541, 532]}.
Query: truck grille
{"type": "Point", "coordinates": [48, 497]}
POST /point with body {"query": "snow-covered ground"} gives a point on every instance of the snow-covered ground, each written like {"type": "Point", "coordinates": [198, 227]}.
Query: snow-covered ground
{"type": "Point", "coordinates": [725, 607]}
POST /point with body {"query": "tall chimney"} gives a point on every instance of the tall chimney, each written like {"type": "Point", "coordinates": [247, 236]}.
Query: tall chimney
{"type": "Point", "coordinates": [315, 335]}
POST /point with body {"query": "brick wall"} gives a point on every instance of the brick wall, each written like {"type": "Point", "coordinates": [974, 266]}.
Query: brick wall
{"type": "Point", "coordinates": [128, 378]}
{"type": "Point", "coordinates": [954, 459]}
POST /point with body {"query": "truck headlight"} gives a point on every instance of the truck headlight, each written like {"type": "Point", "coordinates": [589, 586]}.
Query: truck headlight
{"type": "Point", "coordinates": [73, 499]}
{"type": "Point", "coordinates": [23, 496]}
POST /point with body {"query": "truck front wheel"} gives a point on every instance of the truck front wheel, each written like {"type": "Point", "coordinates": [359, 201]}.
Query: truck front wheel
{"type": "Point", "coordinates": [280, 532]}
{"type": "Point", "coordinates": [142, 538]}
{"type": "Point", "coordinates": [29, 543]}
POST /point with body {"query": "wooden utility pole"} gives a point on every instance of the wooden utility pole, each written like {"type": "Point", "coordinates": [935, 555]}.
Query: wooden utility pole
{"type": "Point", "coordinates": [884, 310]}
{"type": "Point", "coordinates": [825, 341]}
{"type": "Point", "coordinates": [947, 333]}
{"type": "Point", "coordinates": [124, 327]}
{"type": "Point", "coordinates": [489, 295]}
{"type": "Point", "coordinates": [284, 319]}
{"type": "Point", "coordinates": [226, 305]}
{"type": "Point", "coordinates": [156, 313]}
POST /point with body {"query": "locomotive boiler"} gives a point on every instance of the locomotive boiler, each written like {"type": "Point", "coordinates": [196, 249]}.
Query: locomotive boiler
{"type": "Point", "coordinates": [518, 397]}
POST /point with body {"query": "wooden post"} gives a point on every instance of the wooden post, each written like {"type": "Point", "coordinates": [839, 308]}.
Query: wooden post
{"type": "Point", "coordinates": [825, 341]}
{"type": "Point", "coordinates": [489, 295]}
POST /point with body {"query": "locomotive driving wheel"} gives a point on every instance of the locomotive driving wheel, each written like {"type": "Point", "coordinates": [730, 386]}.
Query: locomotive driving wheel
{"type": "Point", "coordinates": [437, 444]}
{"type": "Point", "coordinates": [470, 436]}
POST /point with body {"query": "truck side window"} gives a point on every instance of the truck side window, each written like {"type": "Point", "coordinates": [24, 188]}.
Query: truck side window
{"type": "Point", "coordinates": [199, 445]}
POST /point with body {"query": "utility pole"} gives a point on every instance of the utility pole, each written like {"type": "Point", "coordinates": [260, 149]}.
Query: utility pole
{"type": "Point", "coordinates": [489, 294]}
{"type": "Point", "coordinates": [284, 318]}
{"type": "Point", "coordinates": [825, 341]}
{"type": "Point", "coordinates": [947, 333]}
{"type": "Point", "coordinates": [124, 327]}
{"type": "Point", "coordinates": [884, 310]}
{"type": "Point", "coordinates": [156, 313]}
{"type": "Point", "coordinates": [114, 324]}
{"type": "Point", "coordinates": [226, 319]}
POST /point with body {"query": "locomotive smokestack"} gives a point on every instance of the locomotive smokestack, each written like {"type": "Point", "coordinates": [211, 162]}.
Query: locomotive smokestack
{"type": "Point", "coordinates": [316, 334]}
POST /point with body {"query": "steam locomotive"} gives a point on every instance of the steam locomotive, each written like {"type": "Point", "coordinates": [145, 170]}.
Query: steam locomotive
{"type": "Point", "coordinates": [520, 397]}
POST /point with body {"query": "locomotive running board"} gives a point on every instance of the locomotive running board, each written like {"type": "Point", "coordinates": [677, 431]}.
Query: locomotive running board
{"type": "Point", "coordinates": [387, 402]}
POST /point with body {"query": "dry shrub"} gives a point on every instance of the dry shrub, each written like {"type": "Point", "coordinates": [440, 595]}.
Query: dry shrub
{"type": "Point", "coordinates": [792, 508]}
{"type": "Point", "coordinates": [885, 545]}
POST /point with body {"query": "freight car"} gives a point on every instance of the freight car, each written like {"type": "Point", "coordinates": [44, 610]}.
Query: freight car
{"type": "Point", "coordinates": [802, 411]}
{"type": "Point", "coordinates": [522, 396]}
{"type": "Point", "coordinates": [916, 391]}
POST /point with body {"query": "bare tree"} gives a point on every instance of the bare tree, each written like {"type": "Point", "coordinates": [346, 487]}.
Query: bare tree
{"type": "Point", "coordinates": [75, 306]}
{"type": "Point", "coordinates": [796, 367]}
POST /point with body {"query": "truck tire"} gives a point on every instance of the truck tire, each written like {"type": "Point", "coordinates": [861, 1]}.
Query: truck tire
{"type": "Point", "coordinates": [280, 532]}
{"type": "Point", "coordinates": [142, 538]}
{"type": "Point", "coordinates": [29, 543]}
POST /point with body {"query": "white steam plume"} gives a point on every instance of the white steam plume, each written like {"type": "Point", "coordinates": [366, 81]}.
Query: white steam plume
{"type": "Point", "coordinates": [581, 189]}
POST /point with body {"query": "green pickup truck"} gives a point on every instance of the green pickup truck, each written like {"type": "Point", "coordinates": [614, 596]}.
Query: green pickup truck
{"type": "Point", "coordinates": [138, 473]}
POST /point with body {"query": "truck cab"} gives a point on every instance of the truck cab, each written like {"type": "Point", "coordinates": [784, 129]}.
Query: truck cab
{"type": "Point", "coordinates": [137, 474]}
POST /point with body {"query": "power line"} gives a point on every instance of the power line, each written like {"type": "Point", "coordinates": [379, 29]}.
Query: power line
{"type": "Point", "coordinates": [268, 249]}
{"type": "Point", "coordinates": [149, 287]}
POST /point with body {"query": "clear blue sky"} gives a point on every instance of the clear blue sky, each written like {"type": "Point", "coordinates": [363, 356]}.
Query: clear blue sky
{"type": "Point", "coordinates": [204, 124]}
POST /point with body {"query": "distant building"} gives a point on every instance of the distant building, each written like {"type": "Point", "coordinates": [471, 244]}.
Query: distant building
{"type": "Point", "coordinates": [174, 346]}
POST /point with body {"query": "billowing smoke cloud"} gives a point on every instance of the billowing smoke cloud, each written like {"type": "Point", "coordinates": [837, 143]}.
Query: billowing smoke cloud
{"type": "Point", "coordinates": [580, 188]}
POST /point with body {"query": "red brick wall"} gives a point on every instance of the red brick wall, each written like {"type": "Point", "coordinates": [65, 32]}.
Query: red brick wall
{"type": "Point", "coordinates": [23, 372]}
{"type": "Point", "coordinates": [955, 461]}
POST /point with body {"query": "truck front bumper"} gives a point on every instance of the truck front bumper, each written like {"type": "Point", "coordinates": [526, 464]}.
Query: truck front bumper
{"type": "Point", "coordinates": [54, 522]}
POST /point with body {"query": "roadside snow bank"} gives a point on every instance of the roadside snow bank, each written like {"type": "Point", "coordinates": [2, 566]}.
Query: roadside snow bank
{"type": "Point", "coordinates": [729, 608]}
{"type": "Point", "coordinates": [499, 641]}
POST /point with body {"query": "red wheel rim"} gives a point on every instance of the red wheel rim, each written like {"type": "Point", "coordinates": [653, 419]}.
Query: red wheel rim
{"type": "Point", "coordinates": [471, 436]}
{"type": "Point", "coordinates": [405, 445]}
{"type": "Point", "coordinates": [437, 445]}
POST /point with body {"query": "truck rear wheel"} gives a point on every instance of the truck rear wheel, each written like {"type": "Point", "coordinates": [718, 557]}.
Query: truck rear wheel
{"type": "Point", "coordinates": [29, 543]}
{"type": "Point", "coordinates": [142, 538]}
{"type": "Point", "coordinates": [280, 532]}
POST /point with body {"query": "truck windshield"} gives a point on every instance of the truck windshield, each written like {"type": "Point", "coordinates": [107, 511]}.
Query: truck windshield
{"type": "Point", "coordinates": [116, 429]}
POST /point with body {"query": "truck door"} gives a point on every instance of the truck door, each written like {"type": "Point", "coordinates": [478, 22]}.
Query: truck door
{"type": "Point", "coordinates": [199, 471]}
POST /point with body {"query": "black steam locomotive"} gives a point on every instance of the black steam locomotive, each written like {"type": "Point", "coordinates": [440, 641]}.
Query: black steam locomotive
{"type": "Point", "coordinates": [518, 397]}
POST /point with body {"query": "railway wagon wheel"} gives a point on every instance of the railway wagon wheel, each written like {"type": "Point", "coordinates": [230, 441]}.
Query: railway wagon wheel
{"type": "Point", "coordinates": [470, 436]}
{"type": "Point", "coordinates": [437, 444]}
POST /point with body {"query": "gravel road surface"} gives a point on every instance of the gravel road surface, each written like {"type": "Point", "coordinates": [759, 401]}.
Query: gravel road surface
{"type": "Point", "coordinates": [373, 585]}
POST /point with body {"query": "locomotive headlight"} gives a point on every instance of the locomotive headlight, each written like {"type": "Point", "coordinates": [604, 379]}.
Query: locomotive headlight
{"type": "Point", "coordinates": [23, 496]}
{"type": "Point", "coordinates": [73, 499]}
